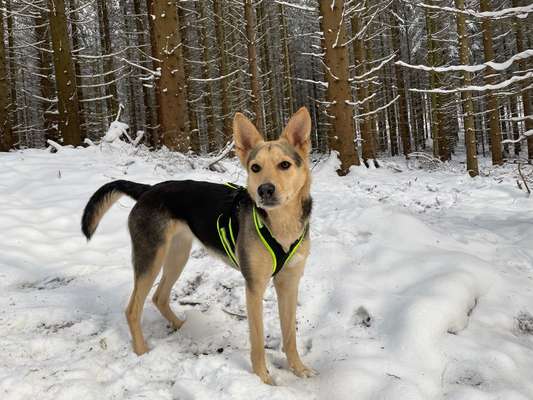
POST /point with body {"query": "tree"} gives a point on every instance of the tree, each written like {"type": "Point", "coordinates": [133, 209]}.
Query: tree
{"type": "Point", "coordinates": [338, 94]}
{"type": "Point", "coordinates": [170, 82]}
{"type": "Point", "coordinates": [257, 99]}
{"type": "Point", "coordinates": [359, 49]}
{"type": "Point", "coordinates": [6, 136]}
{"type": "Point", "coordinates": [67, 96]}
{"type": "Point", "coordinates": [468, 107]}
{"type": "Point", "coordinates": [492, 100]}
{"type": "Point", "coordinates": [105, 47]}
{"type": "Point", "coordinates": [403, 122]}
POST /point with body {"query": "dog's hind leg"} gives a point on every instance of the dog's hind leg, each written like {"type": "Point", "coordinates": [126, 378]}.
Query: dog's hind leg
{"type": "Point", "coordinates": [175, 261]}
{"type": "Point", "coordinates": [150, 243]}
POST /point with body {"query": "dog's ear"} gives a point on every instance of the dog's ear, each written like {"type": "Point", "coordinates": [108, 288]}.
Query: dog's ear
{"type": "Point", "coordinates": [298, 131]}
{"type": "Point", "coordinates": [245, 135]}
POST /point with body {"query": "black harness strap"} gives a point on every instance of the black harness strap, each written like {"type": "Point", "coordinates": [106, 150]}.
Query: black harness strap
{"type": "Point", "coordinates": [228, 230]}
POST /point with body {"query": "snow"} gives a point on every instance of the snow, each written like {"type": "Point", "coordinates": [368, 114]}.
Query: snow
{"type": "Point", "coordinates": [473, 68]}
{"type": "Point", "coordinates": [115, 131]}
{"type": "Point", "coordinates": [419, 286]}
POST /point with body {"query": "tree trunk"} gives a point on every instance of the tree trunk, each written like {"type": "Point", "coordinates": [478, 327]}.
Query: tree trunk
{"type": "Point", "coordinates": [367, 136]}
{"type": "Point", "coordinates": [403, 121]}
{"type": "Point", "coordinates": [76, 46]}
{"type": "Point", "coordinates": [6, 134]}
{"type": "Point", "coordinates": [105, 45]}
{"type": "Point", "coordinates": [341, 132]}
{"type": "Point", "coordinates": [257, 100]}
{"type": "Point", "coordinates": [288, 107]}
{"type": "Point", "coordinates": [208, 87]}
{"type": "Point", "coordinates": [525, 85]}
{"type": "Point", "coordinates": [468, 107]}
{"type": "Point", "coordinates": [492, 101]}
{"type": "Point", "coordinates": [170, 85]}
{"type": "Point", "coordinates": [223, 68]}
{"type": "Point", "coordinates": [46, 84]}
{"type": "Point", "coordinates": [187, 57]}
{"type": "Point", "coordinates": [12, 67]}
{"type": "Point", "coordinates": [68, 107]}
{"type": "Point", "coordinates": [441, 147]}
{"type": "Point", "coordinates": [149, 118]}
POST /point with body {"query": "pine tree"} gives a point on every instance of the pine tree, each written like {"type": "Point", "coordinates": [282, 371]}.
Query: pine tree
{"type": "Point", "coordinates": [468, 107]}
{"type": "Point", "coordinates": [68, 107]}
{"type": "Point", "coordinates": [170, 84]}
{"type": "Point", "coordinates": [338, 95]}
{"type": "Point", "coordinates": [6, 136]}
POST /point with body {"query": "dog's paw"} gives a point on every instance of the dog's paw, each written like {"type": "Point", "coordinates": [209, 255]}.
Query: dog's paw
{"type": "Point", "coordinates": [266, 377]}
{"type": "Point", "coordinates": [302, 371]}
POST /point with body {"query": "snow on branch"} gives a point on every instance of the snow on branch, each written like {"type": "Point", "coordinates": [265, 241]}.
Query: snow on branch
{"type": "Point", "coordinates": [525, 135]}
{"type": "Point", "coordinates": [154, 73]}
{"type": "Point", "coordinates": [297, 6]}
{"type": "Point", "coordinates": [473, 68]}
{"type": "Point", "coordinates": [520, 12]}
{"type": "Point", "coordinates": [359, 116]}
{"type": "Point", "coordinates": [373, 70]}
{"type": "Point", "coordinates": [497, 86]}
{"type": "Point", "coordinates": [218, 78]}
{"type": "Point", "coordinates": [323, 84]}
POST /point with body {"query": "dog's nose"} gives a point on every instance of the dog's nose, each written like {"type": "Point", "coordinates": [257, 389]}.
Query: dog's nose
{"type": "Point", "coordinates": [266, 190]}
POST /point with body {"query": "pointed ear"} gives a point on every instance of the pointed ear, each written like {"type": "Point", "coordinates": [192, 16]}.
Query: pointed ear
{"type": "Point", "coordinates": [298, 131]}
{"type": "Point", "coordinates": [245, 135]}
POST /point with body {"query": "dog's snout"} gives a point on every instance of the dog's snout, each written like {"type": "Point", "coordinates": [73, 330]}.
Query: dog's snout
{"type": "Point", "coordinates": [266, 190]}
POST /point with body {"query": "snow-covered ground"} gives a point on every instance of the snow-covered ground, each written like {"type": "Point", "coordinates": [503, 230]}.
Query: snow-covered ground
{"type": "Point", "coordinates": [442, 263]}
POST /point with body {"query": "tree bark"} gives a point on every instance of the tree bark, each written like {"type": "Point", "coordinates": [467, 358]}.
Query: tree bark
{"type": "Point", "coordinates": [68, 107]}
{"type": "Point", "coordinates": [6, 134]}
{"type": "Point", "coordinates": [218, 14]}
{"type": "Point", "coordinates": [526, 98]}
{"type": "Point", "coordinates": [149, 118]}
{"type": "Point", "coordinates": [257, 100]}
{"type": "Point", "coordinates": [441, 148]}
{"type": "Point", "coordinates": [12, 67]}
{"type": "Point", "coordinates": [367, 136]}
{"type": "Point", "coordinates": [468, 107]}
{"type": "Point", "coordinates": [341, 132]}
{"type": "Point", "coordinates": [287, 84]}
{"type": "Point", "coordinates": [46, 83]}
{"type": "Point", "coordinates": [170, 85]}
{"type": "Point", "coordinates": [76, 46]}
{"type": "Point", "coordinates": [403, 121]}
{"type": "Point", "coordinates": [189, 90]}
{"type": "Point", "coordinates": [105, 45]}
{"type": "Point", "coordinates": [492, 101]}
{"type": "Point", "coordinates": [208, 87]}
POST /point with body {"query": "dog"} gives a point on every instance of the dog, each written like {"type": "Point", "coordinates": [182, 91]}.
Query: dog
{"type": "Point", "coordinates": [261, 230]}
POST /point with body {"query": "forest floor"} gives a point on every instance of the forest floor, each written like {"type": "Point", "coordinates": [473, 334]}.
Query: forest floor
{"type": "Point", "coordinates": [442, 264]}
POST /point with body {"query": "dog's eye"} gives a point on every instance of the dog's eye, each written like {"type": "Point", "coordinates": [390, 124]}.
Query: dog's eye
{"type": "Point", "coordinates": [284, 165]}
{"type": "Point", "coordinates": [255, 168]}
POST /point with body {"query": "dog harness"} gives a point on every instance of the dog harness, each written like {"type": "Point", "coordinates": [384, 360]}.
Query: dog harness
{"type": "Point", "coordinates": [228, 230]}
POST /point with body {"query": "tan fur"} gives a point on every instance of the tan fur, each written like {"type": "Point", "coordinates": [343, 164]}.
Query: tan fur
{"type": "Point", "coordinates": [174, 252]}
{"type": "Point", "coordinates": [285, 223]}
{"type": "Point", "coordinates": [103, 207]}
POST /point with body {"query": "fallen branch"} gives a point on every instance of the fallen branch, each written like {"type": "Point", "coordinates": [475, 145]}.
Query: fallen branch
{"type": "Point", "coordinates": [221, 156]}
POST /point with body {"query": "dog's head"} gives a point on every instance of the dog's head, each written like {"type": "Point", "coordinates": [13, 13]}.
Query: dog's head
{"type": "Point", "coordinates": [278, 170]}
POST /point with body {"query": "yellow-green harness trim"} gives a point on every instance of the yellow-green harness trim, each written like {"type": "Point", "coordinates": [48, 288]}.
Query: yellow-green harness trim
{"type": "Point", "coordinates": [279, 257]}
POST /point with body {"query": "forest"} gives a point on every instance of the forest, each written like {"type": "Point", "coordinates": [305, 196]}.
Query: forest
{"type": "Point", "coordinates": [435, 78]}
{"type": "Point", "coordinates": [419, 279]}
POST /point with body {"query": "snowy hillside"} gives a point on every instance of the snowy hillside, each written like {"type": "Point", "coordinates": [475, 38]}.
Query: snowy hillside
{"type": "Point", "coordinates": [419, 286]}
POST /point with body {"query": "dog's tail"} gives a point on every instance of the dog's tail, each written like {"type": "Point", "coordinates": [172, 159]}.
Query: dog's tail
{"type": "Point", "coordinates": [104, 198]}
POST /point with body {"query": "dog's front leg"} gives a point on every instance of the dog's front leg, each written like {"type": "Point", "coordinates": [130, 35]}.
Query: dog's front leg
{"type": "Point", "coordinates": [286, 284]}
{"type": "Point", "coordinates": [254, 306]}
